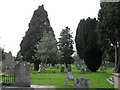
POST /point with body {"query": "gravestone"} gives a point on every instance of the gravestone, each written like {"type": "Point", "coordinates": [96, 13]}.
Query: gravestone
{"type": "Point", "coordinates": [78, 66]}
{"type": "Point", "coordinates": [87, 69]}
{"type": "Point", "coordinates": [81, 83]}
{"type": "Point", "coordinates": [69, 67]}
{"type": "Point", "coordinates": [22, 74]}
{"type": "Point", "coordinates": [62, 69]}
{"type": "Point", "coordinates": [70, 75]}
{"type": "Point", "coordinates": [56, 66]}
{"type": "Point", "coordinates": [66, 82]}
{"type": "Point", "coordinates": [82, 70]}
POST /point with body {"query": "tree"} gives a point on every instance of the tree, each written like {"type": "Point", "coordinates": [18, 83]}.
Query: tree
{"type": "Point", "coordinates": [87, 43]}
{"type": "Point", "coordinates": [38, 24]}
{"type": "Point", "coordinates": [108, 28]}
{"type": "Point", "coordinates": [46, 50]}
{"type": "Point", "coordinates": [19, 57]}
{"type": "Point", "coordinates": [2, 55]}
{"type": "Point", "coordinates": [66, 47]}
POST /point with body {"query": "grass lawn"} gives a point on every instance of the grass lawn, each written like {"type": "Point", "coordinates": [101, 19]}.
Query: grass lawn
{"type": "Point", "coordinates": [97, 79]}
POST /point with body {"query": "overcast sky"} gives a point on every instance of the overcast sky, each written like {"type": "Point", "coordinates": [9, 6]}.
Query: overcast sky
{"type": "Point", "coordinates": [16, 14]}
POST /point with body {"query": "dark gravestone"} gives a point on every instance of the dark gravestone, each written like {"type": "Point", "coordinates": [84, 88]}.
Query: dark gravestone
{"type": "Point", "coordinates": [81, 83]}
{"type": "Point", "coordinates": [82, 70]}
{"type": "Point", "coordinates": [22, 74]}
{"type": "Point", "coordinates": [62, 69]}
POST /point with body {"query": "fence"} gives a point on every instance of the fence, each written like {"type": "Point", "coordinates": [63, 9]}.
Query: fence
{"type": "Point", "coordinates": [8, 77]}
{"type": "Point", "coordinates": [18, 76]}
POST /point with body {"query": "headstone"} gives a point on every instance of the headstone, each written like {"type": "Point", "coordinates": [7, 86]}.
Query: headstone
{"type": "Point", "coordinates": [50, 66]}
{"type": "Point", "coordinates": [82, 70]}
{"type": "Point", "coordinates": [66, 82]}
{"type": "Point", "coordinates": [22, 74]}
{"type": "Point", "coordinates": [70, 75]}
{"type": "Point", "coordinates": [111, 79]}
{"type": "Point", "coordinates": [81, 83]}
{"type": "Point", "coordinates": [69, 67]}
{"type": "Point", "coordinates": [57, 67]}
{"type": "Point", "coordinates": [62, 69]}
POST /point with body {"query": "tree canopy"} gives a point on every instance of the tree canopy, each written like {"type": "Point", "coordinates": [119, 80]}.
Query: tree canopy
{"type": "Point", "coordinates": [66, 46]}
{"type": "Point", "coordinates": [108, 27]}
{"type": "Point", "coordinates": [38, 24]}
{"type": "Point", "coordinates": [46, 49]}
{"type": "Point", "coordinates": [87, 43]}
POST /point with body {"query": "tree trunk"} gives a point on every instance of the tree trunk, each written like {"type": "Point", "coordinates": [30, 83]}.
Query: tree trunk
{"type": "Point", "coordinates": [116, 56]}
{"type": "Point", "coordinates": [36, 65]}
{"type": "Point", "coordinates": [66, 65]}
{"type": "Point", "coordinates": [41, 68]}
{"type": "Point", "coordinates": [69, 68]}
{"type": "Point", "coordinates": [118, 62]}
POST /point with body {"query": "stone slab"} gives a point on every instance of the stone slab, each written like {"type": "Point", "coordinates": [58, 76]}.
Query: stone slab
{"type": "Point", "coordinates": [33, 87]}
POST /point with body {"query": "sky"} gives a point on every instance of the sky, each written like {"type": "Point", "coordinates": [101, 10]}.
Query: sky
{"type": "Point", "coordinates": [15, 15]}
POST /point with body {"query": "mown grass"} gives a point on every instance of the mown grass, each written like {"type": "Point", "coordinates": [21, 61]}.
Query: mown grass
{"type": "Point", "coordinates": [97, 79]}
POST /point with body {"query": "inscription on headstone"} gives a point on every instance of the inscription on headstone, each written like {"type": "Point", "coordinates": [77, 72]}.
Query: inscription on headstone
{"type": "Point", "coordinates": [22, 74]}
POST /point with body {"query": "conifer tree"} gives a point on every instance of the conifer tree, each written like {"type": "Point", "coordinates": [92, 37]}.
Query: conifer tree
{"type": "Point", "coordinates": [108, 29]}
{"type": "Point", "coordinates": [87, 43]}
{"type": "Point", "coordinates": [38, 24]}
{"type": "Point", "coordinates": [66, 47]}
{"type": "Point", "coordinates": [46, 50]}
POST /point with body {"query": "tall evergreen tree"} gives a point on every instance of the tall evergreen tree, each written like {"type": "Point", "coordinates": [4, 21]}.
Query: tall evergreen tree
{"type": "Point", "coordinates": [38, 24]}
{"type": "Point", "coordinates": [46, 50]}
{"type": "Point", "coordinates": [87, 43]}
{"type": "Point", "coordinates": [108, 28]}
{"type": "Point", "coordinates": [66, 47]}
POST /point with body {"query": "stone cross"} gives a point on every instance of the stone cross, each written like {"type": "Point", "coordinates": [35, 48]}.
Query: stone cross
{"type": "Point", "coordinates": [81, 83]}
{"type": "Point", "coordinates": [22, 74]}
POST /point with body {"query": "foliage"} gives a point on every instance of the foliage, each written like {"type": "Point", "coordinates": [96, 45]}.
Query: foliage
{"type": "Point", "coordinates": [76, 58]}
{"type": "Point", "coordinates": [66, 46]}
{"type": "Point", "coordinates": [108, 27]}
{"type": "Point", "coordinates": [38, 24]}
{"type": "Point", "coordinates": [2, 55]}
{"type": "Point", "coordinates": [19, 57]}
{"type": "Point", "coordinates": [87, 43]}
{"type": "Point", "coordinates": [46, 50]}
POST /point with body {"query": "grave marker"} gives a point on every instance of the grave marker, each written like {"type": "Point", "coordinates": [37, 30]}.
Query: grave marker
{"type": "Point", "coordinates": [81, 83]}
{"type": "Point", "coordinates": [22, 74]}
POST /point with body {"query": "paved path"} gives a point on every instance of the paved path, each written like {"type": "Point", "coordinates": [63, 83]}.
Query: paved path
{"type": "Point", "coordinates": [33, 87]}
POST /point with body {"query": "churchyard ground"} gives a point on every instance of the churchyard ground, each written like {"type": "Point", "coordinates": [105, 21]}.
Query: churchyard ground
{"type": "Point", "coordinates": [55, 77]}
